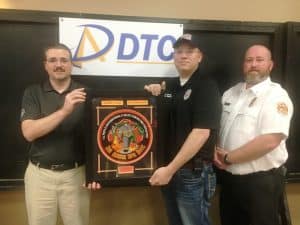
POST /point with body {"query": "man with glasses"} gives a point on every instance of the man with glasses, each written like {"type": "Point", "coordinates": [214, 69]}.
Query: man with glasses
{"type": "Point", "coordinates": [51, 120]}
{"type": "Point", "coordinates": [188, 180]}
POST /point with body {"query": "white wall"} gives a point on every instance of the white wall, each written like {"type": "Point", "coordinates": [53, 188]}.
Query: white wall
{"type": "Point", "coordinates": [238, 10]}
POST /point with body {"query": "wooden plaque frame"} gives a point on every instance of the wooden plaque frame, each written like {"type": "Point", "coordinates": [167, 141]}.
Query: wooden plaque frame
{"type": "Point", "coordinates": [122, 138]}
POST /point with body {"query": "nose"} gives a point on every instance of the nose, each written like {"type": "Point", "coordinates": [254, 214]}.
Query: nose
{"type": "Point", "coordinates": [58, 63]}
{"type": "Point", "coordinates": [184, 54]}
{"type": "Point", "coordinates": [253, 63]}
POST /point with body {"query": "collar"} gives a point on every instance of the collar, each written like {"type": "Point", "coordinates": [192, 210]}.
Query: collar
{"type": "Point", "coordinates": [47, 87]}
{"type": "Point", "coordinates": [183, 80]}
{"type": "Point", "coordinates": [190, 78]}
{"type": "Point", "coordinates": [258, 88]}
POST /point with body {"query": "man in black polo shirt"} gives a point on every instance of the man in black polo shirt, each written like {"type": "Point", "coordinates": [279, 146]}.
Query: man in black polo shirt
{"type": "Point", "coordinates": [51, 120]}
{"type": "Point", "coordinates": [194, 120]}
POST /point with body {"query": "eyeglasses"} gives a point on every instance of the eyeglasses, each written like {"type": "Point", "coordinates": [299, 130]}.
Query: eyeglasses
{"type": "Point", "coordinates": [258, 59]}
{"type": "Point", "coordinates": [185, 52]}
{"type": "Point", "coordinates": [56, 60]}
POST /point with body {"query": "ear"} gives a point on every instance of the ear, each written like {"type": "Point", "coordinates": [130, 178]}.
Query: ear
{"type": "Point", "coordinates": [200, 56]}
{"type": "Point", "coordinates": [271, 65]}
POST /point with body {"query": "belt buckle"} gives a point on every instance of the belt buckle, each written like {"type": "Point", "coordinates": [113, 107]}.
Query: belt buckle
{"type": "Point", "coordinates": [56, 166]}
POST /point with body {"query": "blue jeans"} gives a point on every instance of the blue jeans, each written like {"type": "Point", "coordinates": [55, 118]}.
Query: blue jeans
{"type": "Point", "coordinates": [187, 196]}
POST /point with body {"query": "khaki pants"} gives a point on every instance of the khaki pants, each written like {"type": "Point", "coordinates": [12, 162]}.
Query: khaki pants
{"type": "Point", "coordinates": [47, 192]}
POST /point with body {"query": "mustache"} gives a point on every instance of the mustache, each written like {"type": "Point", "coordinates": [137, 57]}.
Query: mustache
{"type": "Point", "coordinates": [59, 69]}
{"type": "Point", "coordinates": [253, 70]}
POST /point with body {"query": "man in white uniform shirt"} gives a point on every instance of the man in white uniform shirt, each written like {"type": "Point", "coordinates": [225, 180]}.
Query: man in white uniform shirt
{"type": "Point", "coordinates": [254, 127]}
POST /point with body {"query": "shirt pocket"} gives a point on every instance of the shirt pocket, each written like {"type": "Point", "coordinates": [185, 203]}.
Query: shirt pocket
{"type": "Point", "coordinates": [247, 119]}
{"type": "Point", "coordinates": [226, 110]}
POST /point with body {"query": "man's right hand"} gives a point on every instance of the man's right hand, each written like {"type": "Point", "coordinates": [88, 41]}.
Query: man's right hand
{"type": "Point", "coordinates": [219, 158]}
{"type": "Point", "coordinates": [155, 89]}
{"type": "Point", "coordinates": [161, 176]}
{"type": "Point", "coordinates": [72, 99]}
{"type": "Point", "coordinates": [33, 129]}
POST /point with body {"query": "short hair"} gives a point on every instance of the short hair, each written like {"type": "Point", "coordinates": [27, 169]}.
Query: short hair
{"type": "Point", "coordinates": [57, 46]}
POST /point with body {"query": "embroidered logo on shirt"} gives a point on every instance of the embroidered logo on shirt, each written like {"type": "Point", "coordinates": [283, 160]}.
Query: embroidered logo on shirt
{"type": "Point", "coordinates": [187, 94]}
{"type": "Point", "coordinates": [168, 95]}
{"type": "Point", "coordinates": [282, 108]}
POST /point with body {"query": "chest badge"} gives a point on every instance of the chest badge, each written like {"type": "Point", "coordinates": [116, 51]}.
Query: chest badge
{"type": "Point", "coordinates": [252, 102]}
{"type": "Point", "coordinates": [187, 94]}
{"type": "Point", "coordinates": [22, 112]}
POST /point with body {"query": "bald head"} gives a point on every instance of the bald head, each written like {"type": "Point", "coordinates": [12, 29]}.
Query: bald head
{"type": "Point", "coordinates": [259, 50]}
{"type": "Point", "coordinates": [257, 64]}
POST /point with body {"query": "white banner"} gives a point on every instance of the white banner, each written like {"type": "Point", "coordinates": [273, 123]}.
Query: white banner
{"type": "Point", "coordinates": [120, 48]}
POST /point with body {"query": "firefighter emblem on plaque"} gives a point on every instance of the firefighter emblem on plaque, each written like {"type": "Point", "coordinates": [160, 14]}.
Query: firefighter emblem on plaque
{"type": "Point", "coordinates": [124, 137]}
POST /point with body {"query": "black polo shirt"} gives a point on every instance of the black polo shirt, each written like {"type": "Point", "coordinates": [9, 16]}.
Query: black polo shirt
{"type": "Point", "coordinates": [196, 104]}
{"type": "Point", "coordinates": [65, 144]}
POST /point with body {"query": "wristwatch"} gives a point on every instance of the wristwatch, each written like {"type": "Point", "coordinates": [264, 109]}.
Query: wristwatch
{"type": "Point", "coordinates": [226, 160]}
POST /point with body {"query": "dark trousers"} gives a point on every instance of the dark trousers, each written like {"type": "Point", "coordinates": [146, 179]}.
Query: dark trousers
{"type": "Point", "coordinates": [251, 199]}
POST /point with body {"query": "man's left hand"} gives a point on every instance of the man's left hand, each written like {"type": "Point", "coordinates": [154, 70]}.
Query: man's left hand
{"type": "Point", "coordinates": [93, 186]}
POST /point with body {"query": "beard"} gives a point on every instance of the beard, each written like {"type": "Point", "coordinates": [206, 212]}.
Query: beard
{"type": "Point", "coordinates": [255, 77]}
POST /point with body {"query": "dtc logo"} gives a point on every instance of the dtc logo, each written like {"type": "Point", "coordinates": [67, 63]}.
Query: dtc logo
{"type": "Point", "coordinates": [131, 47]}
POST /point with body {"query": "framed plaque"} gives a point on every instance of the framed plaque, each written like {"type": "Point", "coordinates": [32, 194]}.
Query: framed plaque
{"type": "Point", "coordinates": [122, 143]}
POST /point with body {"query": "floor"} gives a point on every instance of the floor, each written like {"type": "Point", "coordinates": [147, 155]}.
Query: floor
{"type": "Point", "coordinates": [126, 206]}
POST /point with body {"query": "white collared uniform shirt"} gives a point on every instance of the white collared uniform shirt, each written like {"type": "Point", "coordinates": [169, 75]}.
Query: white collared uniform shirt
{"type": "Point", "coordinates": [264, 108]}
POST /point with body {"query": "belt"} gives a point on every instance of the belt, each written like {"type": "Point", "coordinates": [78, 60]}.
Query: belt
{"type": "Point", "coordinates": [57, 167]}
{"type": "Point", "coordinates": [195, 164]}
{"type": "Point", "coordinates": [280, 170]}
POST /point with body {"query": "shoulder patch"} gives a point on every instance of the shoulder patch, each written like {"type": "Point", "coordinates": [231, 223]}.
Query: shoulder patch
{"type": "Point", "coordinates": [282, 108]}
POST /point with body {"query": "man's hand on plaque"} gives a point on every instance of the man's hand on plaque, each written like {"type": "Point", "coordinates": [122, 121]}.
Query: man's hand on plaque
{"type": "Point", "coordinates": [92, 186]}
{"type": "Point", "coordinates": [155, 89]}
